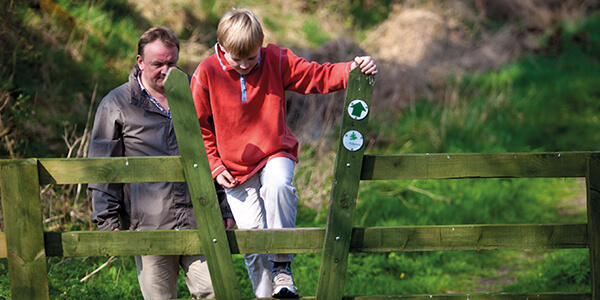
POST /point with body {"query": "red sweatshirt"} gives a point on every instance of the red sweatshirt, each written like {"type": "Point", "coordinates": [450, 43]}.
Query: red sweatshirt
{"type": "Point", "coordinates": [242, 117]}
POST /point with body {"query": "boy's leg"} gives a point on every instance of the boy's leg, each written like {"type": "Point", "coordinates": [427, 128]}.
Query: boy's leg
{"type": "Point", "coordinates": [280, 198]}
{"type": "Point", "coordinates": [281, 205]}
{"type": "Point", "coordinates": [197, 276]}
{"type": "Point", "coordinates": [157, 275]}
{"type": "Point", "coordinates": [260, 272]}
{"type": "Point", "coordinates": [249, 213]}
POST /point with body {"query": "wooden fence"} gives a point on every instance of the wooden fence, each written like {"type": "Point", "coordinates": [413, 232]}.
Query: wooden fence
{"type": "Point", "coordinates": [26, 246]}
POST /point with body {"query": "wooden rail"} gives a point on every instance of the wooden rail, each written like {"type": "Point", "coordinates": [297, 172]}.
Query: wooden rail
{"type": "Point", "coordinates": [26, 246]}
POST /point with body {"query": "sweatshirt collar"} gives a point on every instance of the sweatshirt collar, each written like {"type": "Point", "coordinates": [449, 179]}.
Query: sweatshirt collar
{"type": "Point", "coordinates": [220, 57]}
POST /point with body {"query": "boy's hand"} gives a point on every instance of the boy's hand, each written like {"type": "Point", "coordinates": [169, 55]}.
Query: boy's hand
{"type": "Point", "coordinates": [226, 180]}
{"type": "Point", "coordinates": [366, 64]}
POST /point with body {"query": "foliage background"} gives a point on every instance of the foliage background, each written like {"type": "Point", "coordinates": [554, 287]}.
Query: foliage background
{"type": "Point", "coordinates": [455, 76]}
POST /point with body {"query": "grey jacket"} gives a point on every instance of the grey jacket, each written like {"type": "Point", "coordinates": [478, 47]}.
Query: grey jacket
{"type": "Point", "coordinates": [128, 124]}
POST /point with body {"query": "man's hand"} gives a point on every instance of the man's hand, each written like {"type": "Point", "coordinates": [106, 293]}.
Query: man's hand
{"type": "Point", "coordinates": [366, 64]}
{"type": "Point", "coordinates": [229, 223]}
{"type": "Point", "coordinates": [226, 180]}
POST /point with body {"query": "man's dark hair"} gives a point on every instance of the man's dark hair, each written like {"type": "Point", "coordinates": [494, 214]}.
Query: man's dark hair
{"type": "Point", "coordinates": [162, 33]}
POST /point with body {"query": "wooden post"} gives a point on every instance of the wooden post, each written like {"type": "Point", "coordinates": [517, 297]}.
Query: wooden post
{"type": "Point", "coordinates": [211, 230]}
{"type": "Point", "coordinates": [593, 213]}
{"type": "Point", "coordinates": [24, 231]}
{"type": "Point", "coordinates": [346, 180]}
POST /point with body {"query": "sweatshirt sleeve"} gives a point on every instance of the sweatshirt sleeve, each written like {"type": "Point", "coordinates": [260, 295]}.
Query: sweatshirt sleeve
{"type": "Point", "coordinates": [306, 77]}
{"type": "Point", "coordinates": [107, 141]}
{"type": "Point", "coordinates": [201, 98]}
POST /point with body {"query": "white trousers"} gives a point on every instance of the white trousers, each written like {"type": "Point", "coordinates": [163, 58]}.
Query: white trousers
{"type": "Point", "coordinates": [157, 275]}
{"type": "Point", "coordinates": [266, 200]}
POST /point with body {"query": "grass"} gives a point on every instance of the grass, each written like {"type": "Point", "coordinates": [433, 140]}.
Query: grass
{"type": "Point", "coordinates": [547, 101]}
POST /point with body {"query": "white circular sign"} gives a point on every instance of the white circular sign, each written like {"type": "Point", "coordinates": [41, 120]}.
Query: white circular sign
{"type": "Point", "coordinates": [353, 140]}
{"type": "Point", "coordinates": [358, 109]}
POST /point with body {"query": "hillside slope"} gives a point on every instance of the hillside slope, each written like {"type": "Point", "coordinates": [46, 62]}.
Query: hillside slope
{"type": "Point", "coordinates": [58, 58]}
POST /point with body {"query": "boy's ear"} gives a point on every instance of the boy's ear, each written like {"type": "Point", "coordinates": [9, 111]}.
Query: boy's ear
{"type": "Point", "coordinates": [222, 49]}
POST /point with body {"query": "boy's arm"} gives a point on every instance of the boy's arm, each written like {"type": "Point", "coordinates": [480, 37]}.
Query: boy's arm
{"type": "Point", "coordinates": [306, 77]}
{"type": "Point", "coordinates": [203, 110]}
{"type": "Point", "coordinates": [311, 77]}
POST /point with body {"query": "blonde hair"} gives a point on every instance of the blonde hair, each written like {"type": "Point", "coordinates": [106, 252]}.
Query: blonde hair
{"type": "Point", "coordinates": [240, 32]}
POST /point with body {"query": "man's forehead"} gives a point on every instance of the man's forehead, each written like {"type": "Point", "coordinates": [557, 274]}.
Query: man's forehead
{"type": "Point", "coordinates": [159, 46]}
{"type": "Point", "coordinates": [162, 56]}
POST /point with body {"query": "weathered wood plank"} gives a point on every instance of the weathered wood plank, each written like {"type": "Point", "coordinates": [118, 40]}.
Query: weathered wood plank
{"type": "Point", "coordinates": [346, 177]}
{"type": "Point", "coordinates": [472, 165]}
{"type": "Point", "coordinates": [310, 240]}
{"type": "Point", "coordinates": [468, 237]}
{"type": "Point", "coordinates": [375, 167]}
{"type": "Point", "coordinates": [478, 296]}
{"type": "Point", "coordinates": [3, 252]}
{"type": "Point", "coordinates": [200, 183]}
{"type": "Point", "coordinates": [110, 169]}
{"type": "Point", "coordinates": [593, 214]}
{"type": "Point", "coordinates": [126, 243]}
{"type": "Point", "coordinates": [24, 231]}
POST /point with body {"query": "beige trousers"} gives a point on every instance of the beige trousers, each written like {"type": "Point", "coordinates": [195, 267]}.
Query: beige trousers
{"type": "Point", "coordinates": [157, 275]}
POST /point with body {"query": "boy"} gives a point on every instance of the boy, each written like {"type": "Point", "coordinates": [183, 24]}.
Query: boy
{"type": "Point", "coordinates": [239, 93]}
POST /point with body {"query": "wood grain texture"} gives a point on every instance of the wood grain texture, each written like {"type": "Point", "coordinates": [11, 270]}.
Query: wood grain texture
{"type": "Point", "coordinates": [473, 165]}
{"type": "Point", "coordinates": [310, 240]}
{"type": "Point", "coordinates": [593, 213]}
{"type": "Point", "coordinates": [22, 211]}
{"type": "Point", "coordinates": [346, 177]}
{"type": "Point", "coordinates": [111, 169]}
{"type": "Point", "coordinates": [196, 170]}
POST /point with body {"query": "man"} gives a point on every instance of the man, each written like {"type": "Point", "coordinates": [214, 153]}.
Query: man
{"type": "Point", "coordinates": [134, 120]}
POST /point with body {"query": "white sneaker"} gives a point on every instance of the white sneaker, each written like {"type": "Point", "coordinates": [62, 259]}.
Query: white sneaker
{"type": "Point", "coordinates": [283, 284]}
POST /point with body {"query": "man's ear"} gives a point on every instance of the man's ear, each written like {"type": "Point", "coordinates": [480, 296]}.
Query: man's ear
{"type": "Point", "coordinates": [140, 62]}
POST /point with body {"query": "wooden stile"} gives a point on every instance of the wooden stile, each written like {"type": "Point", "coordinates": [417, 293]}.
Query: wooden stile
{"type": "Point", "coordinates": [310, 240]}
{"type": "Point", "coordinates": [211, 230]}
{"type": "Point", "coordinates": [111, 169]}
{"type": "Point", "coordinates": [473, 165]}
{"type": "Point", "coordinates": [346, 177]}
{"type": "Point", "coordinates": [24, 231]}
{"type": "Point", "coordinates": [593, 212]}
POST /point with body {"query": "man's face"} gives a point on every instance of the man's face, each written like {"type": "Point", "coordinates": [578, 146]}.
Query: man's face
{"type": "Point", "coordinates": [158, 59]}
{"type": "Point", "coordinates": [242, 65]}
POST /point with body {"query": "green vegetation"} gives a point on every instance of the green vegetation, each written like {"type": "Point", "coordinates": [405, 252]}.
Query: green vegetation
{"type": "Point", "coordinates": [545, 101]}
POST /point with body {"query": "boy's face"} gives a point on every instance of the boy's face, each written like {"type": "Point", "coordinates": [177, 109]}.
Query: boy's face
{"type": "Point", "coordinates": [242, 65]}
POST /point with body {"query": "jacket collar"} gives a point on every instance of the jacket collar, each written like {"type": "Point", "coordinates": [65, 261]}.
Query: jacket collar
{"type": "Point", "coordinates": [137, 95]}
